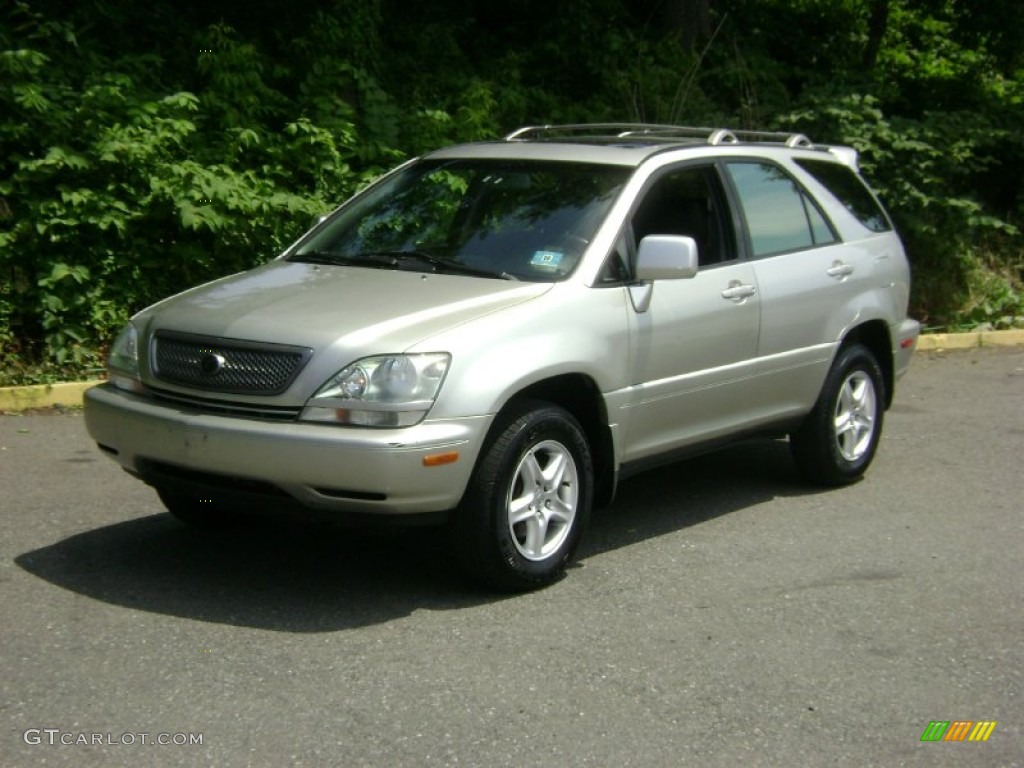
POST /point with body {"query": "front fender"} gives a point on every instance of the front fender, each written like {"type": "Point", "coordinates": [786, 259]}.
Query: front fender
{"type": "Point", "coordinates": [569, 330]}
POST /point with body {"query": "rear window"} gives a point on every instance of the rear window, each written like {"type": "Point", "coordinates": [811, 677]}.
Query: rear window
{"type": "Point", "coordinates": [848, 188]}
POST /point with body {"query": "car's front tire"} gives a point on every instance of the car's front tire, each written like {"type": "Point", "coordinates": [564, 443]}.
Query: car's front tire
{"type": "Point", "coordinates": [839, 438]}
{"type": "Point", "coordinates": [528, 501]}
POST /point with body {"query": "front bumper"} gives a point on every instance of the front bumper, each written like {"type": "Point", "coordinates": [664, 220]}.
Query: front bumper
{"type": "Point", "coordinates": [319, 466]}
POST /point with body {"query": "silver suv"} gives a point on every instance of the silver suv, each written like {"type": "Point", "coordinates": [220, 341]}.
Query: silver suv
{"type": "Point", "coordinates": [493, 335]}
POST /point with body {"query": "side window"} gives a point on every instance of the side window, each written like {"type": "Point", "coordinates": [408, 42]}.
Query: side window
{"type": "Point", "coordinates": [780, 216]}
{"type": "Point", "coordinates": [849, 189]}
{"type": "Point", "coordinates": [690, 201]}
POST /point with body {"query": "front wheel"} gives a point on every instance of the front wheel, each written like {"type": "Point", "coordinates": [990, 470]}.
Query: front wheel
{"type": "Point", "coordinates": [528, 501]}
{"type": "Point", "coordinates": [838, 440]}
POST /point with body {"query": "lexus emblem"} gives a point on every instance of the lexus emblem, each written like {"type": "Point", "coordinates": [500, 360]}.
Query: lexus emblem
{"type": "Point", "coordinates": [211, 363]}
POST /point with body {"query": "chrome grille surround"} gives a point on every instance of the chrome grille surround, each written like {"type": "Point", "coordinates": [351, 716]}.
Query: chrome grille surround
{"type": "Point", "coordinates": [232, 366]}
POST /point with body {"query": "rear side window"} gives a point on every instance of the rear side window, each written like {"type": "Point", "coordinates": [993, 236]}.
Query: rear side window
{"type": "Point", "coordinates": [848, 188]}
{"type": "Point", "coordinates": [780, 216]}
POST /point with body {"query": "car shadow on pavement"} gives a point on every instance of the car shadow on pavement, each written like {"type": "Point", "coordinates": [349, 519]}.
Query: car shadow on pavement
{"type": "Point", "coordinates": [686, 493]}
{"type": "Point", "coordinates": [269, 575]}
{"type": "Point", "coordinates": [309, 578]}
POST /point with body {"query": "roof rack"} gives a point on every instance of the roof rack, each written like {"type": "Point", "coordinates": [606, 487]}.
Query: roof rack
{"type": "Point", "coordinates": [654, 132]}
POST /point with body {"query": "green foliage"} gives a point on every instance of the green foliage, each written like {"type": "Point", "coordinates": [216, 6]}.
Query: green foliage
{"type": "Point", "coordinates": [923, 170]}
{"type": "Point", "coordinates": [995, 295]}
{"type": "Point", "coordinates": [114, 196]}
{"type": "Point", "coordinates": [145, 148]}
{"type": "Point", "coordinates": [937, 125]}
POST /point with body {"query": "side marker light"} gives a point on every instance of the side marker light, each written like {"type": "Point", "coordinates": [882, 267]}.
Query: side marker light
{"type": "Point", "coordinates": [440, 459]}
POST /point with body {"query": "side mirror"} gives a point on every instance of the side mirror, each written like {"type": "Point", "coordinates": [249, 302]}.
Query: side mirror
{"type": "Point", "coordinates": [666, 257]}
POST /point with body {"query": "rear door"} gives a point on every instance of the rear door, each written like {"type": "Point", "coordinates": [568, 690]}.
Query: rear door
{"type": "Point", "coordinates": [809, 282]}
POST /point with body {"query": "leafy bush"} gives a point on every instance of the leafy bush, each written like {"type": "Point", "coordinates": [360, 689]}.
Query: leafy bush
{"type": "Point", "coordinates": [113, 196]}
{"type": "Point", "coordinates": [145, 148]}
{"type": "Point", "coordinates": [922, 169]}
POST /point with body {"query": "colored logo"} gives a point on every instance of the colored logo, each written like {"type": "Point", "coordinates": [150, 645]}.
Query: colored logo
{"type": "Point", "coordinates": [958, 730]}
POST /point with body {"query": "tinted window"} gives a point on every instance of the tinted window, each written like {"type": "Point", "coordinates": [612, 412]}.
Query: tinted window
{"type": "Point", "coordinates": [820, 230]}
{"type": "Point", "coordinates": [530, 220]}
{"type": "Point", "coordinates": [848, 188]}
{"type": "Point", "coordinates": [689, 202]}
{"type": "Point", "coordinates": [780, 216]}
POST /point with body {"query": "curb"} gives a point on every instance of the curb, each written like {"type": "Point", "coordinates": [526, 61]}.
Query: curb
{"type": "Point", "coordinates": [66, 394]}
{"type": "Point", "coordinates": [69, 394]}
{"type": "Point", "coordinates": [940, 341]}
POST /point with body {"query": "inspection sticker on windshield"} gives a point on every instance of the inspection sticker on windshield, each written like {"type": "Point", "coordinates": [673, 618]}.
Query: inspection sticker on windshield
{"type": "Point", "coordinates": [546, 259]}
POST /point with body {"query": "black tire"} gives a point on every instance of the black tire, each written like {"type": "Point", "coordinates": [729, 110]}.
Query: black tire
{"type": "Point", "coordinates": [533, 442]}
{"type": "Point", "coordinates": [198, 513]}
{"type": "Point", "coordinates": [838, 440]}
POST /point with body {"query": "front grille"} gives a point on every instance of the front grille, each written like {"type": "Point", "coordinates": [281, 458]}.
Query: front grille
{"type": "Point", "coordinates": [226, 365]}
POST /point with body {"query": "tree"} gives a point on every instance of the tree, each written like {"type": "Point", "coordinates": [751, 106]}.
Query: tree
{"type": "Point", "coordinates": [878, 20]}
{"type": "Point", "coordinates": [146, 147]}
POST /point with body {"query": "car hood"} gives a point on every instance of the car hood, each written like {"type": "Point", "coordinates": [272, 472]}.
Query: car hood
{"type": "Point", "coordinates": [320, 306]}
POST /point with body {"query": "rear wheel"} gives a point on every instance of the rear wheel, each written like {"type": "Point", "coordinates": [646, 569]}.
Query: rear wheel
{"type": "Point", "coordinates": [839, 439]}
{"type": "Point", "coordinates": [528, 501]}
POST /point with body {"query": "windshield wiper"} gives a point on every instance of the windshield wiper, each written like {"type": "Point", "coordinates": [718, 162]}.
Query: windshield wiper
{"type": "Point", "coordinates": [439, 264]}
{"type": "Point", "coordinates": [394, 259]}
{"type": "Point", "coordinates": [337, 259]}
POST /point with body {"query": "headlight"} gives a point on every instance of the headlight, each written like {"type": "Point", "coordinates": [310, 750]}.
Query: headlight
{"type": "Point", "coordinates": [123, 361]}
{"type": "Point", "coordinates": [381, 391]}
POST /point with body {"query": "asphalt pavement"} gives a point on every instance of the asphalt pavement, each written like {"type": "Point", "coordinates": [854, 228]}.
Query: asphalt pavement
{"type": "Point", "coordinates": [721, 614]}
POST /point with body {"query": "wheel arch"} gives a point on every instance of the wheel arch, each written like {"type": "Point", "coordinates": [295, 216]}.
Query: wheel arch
{"type": "Point", "coordinates": [874, 334]}
{"type": "Point", "coordinates": [579, 394]}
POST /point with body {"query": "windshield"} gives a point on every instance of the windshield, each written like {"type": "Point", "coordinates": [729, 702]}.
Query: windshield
{"type": "Point", "coordinates": [526, 220]}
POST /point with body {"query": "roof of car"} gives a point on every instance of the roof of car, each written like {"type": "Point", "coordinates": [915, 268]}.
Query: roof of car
{"type": "Point", "coordinates": [629, 155]}
{"type": "Point", "coordinates": [628, 144]}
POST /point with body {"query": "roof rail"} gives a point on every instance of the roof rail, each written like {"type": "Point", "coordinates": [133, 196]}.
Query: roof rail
{"type": "Point", "coordinates": [655, 132]}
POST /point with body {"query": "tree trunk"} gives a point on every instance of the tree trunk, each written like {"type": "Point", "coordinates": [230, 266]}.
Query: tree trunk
{"type": "Point", "coordinates": [878, 21]}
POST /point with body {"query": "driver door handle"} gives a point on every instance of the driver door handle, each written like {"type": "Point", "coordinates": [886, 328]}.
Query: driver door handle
{"type": "Point", "coordinates": [738, 291]}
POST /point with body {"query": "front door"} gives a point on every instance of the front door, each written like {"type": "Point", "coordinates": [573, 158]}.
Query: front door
{"type": "Point", "coordinates": [693, 346]}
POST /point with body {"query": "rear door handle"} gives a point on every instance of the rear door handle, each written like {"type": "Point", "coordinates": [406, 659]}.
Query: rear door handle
{"type": "Point", "coordinates": [839, 270]}
{"type": "Point", "coordinates": [738, 291]}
